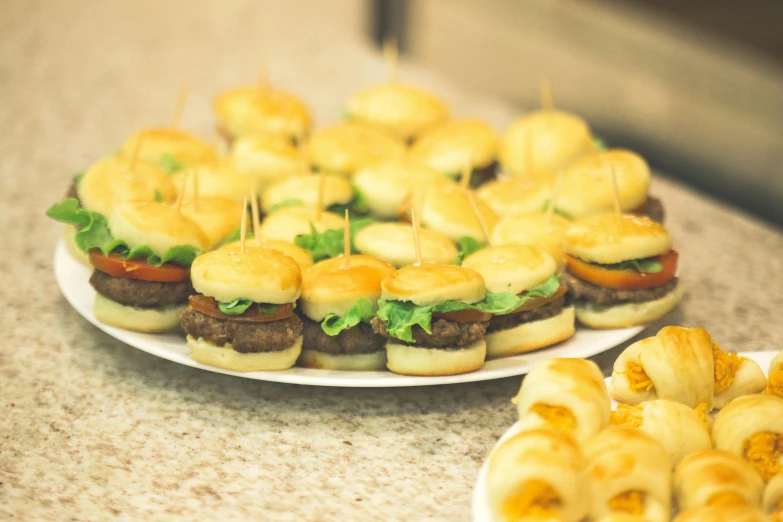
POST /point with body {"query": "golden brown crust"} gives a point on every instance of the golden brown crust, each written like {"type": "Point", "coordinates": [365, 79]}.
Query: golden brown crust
{"type": "Point", "coordinates": [534, 229]}
{"type": "Point", "coordinates": [337, 190]}
{"type": "Point", "coordinates": [303, 258]}
{"type": "Point", "coordinates": [253, 109]}
{"type": "Point", "coordinates": [217, 217]}
{"type": "Point", "coordinates": [393, 242]}
{"type": "Point", "coordinates": [406, 359]}
{"type": "Point", "coordinates": [448, 146]}
{"type": "Point", "coordinates": [608, 238]}
{"type": "Point", "coordinates": [157, 141]}
{"type": "Point", "coordinates": [511, 268]}
{"type": "Point", "coordinates": [346, 147]}
{"type": "Point", "coordinates": [447, 209]}
{"type": "Point", "coordinates": [516, 195]}
{"type": "Point", "coordinates": [430, 284]}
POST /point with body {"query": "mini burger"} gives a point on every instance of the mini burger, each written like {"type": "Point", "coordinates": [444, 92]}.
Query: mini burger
{"type": "Point", "coordinates": [346, 147]}
{"type": "Point", "coordinates": [141, 252]}
{"type": "Point", "coordinates": [338, 302]}
{"type": "Point", "coordinates": [587, 187]}
{"type": "Point", "coordinates": [303, 192]}
{"type": "Point", "coordinates": [267, 158]}
{"type": "Point", "coordinates": [170, 148]}
{"type": "Point", "coordinates": [219, 179]}
{"type": "Point", "coordinates": [288, 223]}
{"type": "Point", "coordinates": [242, 318]}
{"type": "Point", "coordinates": [447, 209]}
{"type": "Point", "coordinates": [534, 229]}
{"type": "Point", "coordinates": [447, 147]}
{"type": "Point", "coordinates": [303, 258]}
{"type": "Point", "coordinates": [620, 270]}
{"type": "Point", "coordinates": [393, 242]}
{"type": "Point", "coordinates": [217, 217]}
{"type": "Point", "coordinates": [544, 316]}
{"type": "Point", "coordinates": [516, 195]}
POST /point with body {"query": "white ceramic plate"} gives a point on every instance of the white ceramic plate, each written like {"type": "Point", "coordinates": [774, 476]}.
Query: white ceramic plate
{"type": "Point", "coordinates": [72, 278]}
{"type": "Point", "coordinates": [481, 509]}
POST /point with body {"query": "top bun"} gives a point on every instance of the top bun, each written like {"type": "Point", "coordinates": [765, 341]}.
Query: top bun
{"type": "Point", "coordinates": [217, 217]}
{"type": "Point", "coordinates": [287, 223]}
{"type": "Point", "coordinates": [156, 225]}
{"type": "Point", "coordinates": [156, 142]}
{"type": "Point", "coordinates": [447, 147]}
{"type": "Point", "coordinates": [218, 179]}
{"type": "Point", "coordinates": [425, 285]}
{"type": "Point", "coordinates": [346, 147]}
{"type": "Point", "coordinates": [518, 194]}
{"type": "Point", "coordinates": [393, 242]}
{"type": "Point", "coordinates": [267, 158]}
{"type": "Point", "coordinates": [261, 110]}
{"type": "Point", "coordinates": [401, 110]}
{"type": "Point", "coordinates": [303, 258]}
{"type": "Point", "coordinates": [260, 275]}
{"type": "Point", "coordinates": [608, 239]}
{"type": "Point", "coordinates": [330, 288]}
{"type": "Point", "coordinates": [110, 181]}
{"type": "Point", "coordinates": [511, 268]}
{"type": "Point", "coordinates": [337, 190]}
{"type": "Point", "coordinates": [533, 229]}
{"type": "Point", "coordinates": [587, 187]}
{"type": "Point", "coordinates": [448, 210]}
{"type": "Point", "coordinates": [556, 139]}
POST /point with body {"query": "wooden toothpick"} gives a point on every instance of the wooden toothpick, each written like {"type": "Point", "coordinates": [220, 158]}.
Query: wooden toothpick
{"type": "Point", "coordinates": [179, 106]}
{"type": "Point", "coordinates": [391, 55]}
{"type": "Point", "coordinates": [467, 168]}
{"type": "Point", "coordinates": [479, 217]}
{"type": "Point", "coordinates": [183, 185]}
{"type": "Point", "coordinates": [550, 211]}
{"type": "Point", "coordinates": [546, 94]}
{"type": "Point", "coordinates": [243, 227]}
{"type": "Point", "coordinates": [319, 202]}
{"type": "Point", "coordinates": [347, 241]}
{"type": "Point", "coordinates": [618, 210]}
{"type": "Point", "coordinates": [416, 242]}
{"type": "Point", "coordinates": [136, 150]}
{"type": "Point", "coordinates": [256, 219]}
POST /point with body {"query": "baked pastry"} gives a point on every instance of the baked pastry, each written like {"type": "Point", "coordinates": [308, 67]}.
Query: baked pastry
{"type": "Point", "coordinates": [722, 514]}
{"type": "Point", "coordinates": [621, 517]}
{"type": "Point", "coordinates": [629, 473]}
{"type": "Point", "coordinates": [567, 394]}
{"type": "Point", "coordinates": [772, 500]}
{"type": "Point", "coordinates": [681, 430]}
{"type": "Point", "coordinates": [775, 379]}
{"type": "Point", "coordinates": [716, 478]}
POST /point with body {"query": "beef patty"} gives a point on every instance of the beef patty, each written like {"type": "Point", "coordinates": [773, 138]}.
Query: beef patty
{"type": "Point", "coordinates": [245, 337]}
{"type": "Point", "coordinates": [652, 208]}
{"type": "Point", "coordinates": [359, 339]}
{"type": "Point", "coordinates": [445, 334]}
{"type": "Point", "coordinates": [504, 322]}
{"type": "Point", "coordinates": [144, 294]}
{"type": "Point", "coordinates": [581, 289]}
{"type": "Point", "coordinates": [72, 193]}
{"type": "Point", "coordinates": [483, 175]}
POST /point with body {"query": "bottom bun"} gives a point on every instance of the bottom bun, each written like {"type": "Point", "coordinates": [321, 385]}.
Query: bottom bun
{"type": "Point", "coordinates": [229, 359]}
{"type": "Point", "coordinates": [149, 320]}
{"type": "Point", "coordinates": [359, 362]}
{"type": "Point", "coordinates": [415, 360]}
{"type": "Point", "coordinates": [629, 314]}
{"type": "Point", "coordinates": [531, 336]}
{"type": "Point", "coordinates": [69, 236]}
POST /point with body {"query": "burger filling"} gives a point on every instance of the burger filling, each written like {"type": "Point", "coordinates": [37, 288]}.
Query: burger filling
{"type": "Point", "coordinates": [545, 311]}
{"type": "Point", "coordinates": [555, 416]}
{"type": "Point", "coordinates": [533, 499]}
{"type": "Point", "coordinates": [652, 208]}
{"type": "Point", "coordinates": [354, 340]}
{"type": "Point", "coordinates": [443, 333]}
{"type": "Point", "coordinates": [775, 383]}
{"type": "Point", "coordinates": [141, 294]}
{"type": "Point", "coordinates": [631, 501]}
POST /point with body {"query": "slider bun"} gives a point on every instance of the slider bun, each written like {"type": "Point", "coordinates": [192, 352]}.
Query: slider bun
{"type": "Point", "coordinates": [511, 268]}
{"type": "Point", "coordinates": [393, 242]}
{"type": "Point", "coordinates": [535, 230]}
{"type": "Point", "coordinates": [260, 275]}
{"type": "Point", "coordinates": [447, 209]}
{"type": "Point", "coordinates": [430, 284]}
{"type": "Point", "coordinates": [157, 141]}
{"type": "Point", "coordinates": [226, 357]}
{"type": "Point", "coordinates": [556, 137]}
{"type": "Point", "coordinates": [337, 190]}
{"type": "Point", "coordinates": [110, 180]}
{"type": "Point", "coordinates": [414, 360]}
{"type": "Point", "coordinates": [330, 288]}
{"type": "Point", "coordinates": [346, 147]}
{"type": "Point", "coordinates": [387, 185]}
{"type": "Point", "coordinates": [608, 239]}
{"type": "Point", "coordinates": [303, 258]}
{"type": "Point", "coordinates": [267, 158]}
{"type": "Point", "coordinates": [156, 225]}
{"type": "Point", "coordinates": [587, 187]}
{"type": "Point", "coordinates": [287, 223]}
{"type": "Point", "coordinates": [69, 237]}
{"type": "Point", "coordinates": [149, 320]}
{"type": "Point", "coordinates": [629, 314]}
{"type": "Point", "coordinates": [217, 217]}
{"type": "Point", "coordinates": [448, 146]}
{"type": "Point", "coordinates": [219, 179]}
{"type": "Point", "coordinates": [515, 195]}
{"type": "Point", "coordinates": [401, 110]}
{"type": "Point", "coordinates": [254, 109]}
{"type": "Point", "coordinates": [530, 336]}
{"type": "Point", "coordinates": [355, 362]}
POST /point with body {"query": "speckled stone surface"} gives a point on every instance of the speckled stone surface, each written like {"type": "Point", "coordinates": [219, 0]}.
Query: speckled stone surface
{"type": "Point", "coordinates": [91, 429]}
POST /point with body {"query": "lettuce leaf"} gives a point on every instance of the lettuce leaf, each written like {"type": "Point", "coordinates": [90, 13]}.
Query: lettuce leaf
{"type": "Point", "coordinates": [158, 196]}
{"type": "Point", "coordinates": [170, 164]}
{"type": "Point", "coordinates": [358, 206]}
{"type": "Point", "coordinates": [361, 311]}
{"type": "Point", "coordinates": [557, 211]}
{"type": "Point", "coordinates": [467, 245]}
{"type": "Point", "coordinates": [77, 178]}
{"type": "Point", "coordinates": [240, 306]}
{"type": "Point", "coordinates": [329, 243]}
{"type": "Point", "coordinates": [293, 202]}
{"type": "Point", "coordinates": [599, 144]}
{"type": "Point", "coordinates": [645, 266]}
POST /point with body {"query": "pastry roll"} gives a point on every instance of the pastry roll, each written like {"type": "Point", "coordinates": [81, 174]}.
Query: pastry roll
{"type": "Point", "coordinates": [629, 473]}
{"type": "Point", "coordinates": [735, 376]}
{"type": "Point", "coordinates": [681, 430]}
{"type": "Point", "coordinates": [622, 517]}
{"type": "Point", "coordinates": [772, 501]}
{"type": "Point", "coordinates": [569, 394]}
{"type": "Point", "coordinates": [538, 475]}
{"type": "Point", "coordinates": [775, 382]}
{"type": "Point", "coordinates": [752, 427]}
{"type": "Point", "coordinates": [722, 514]}
{"type": "Point", "coordinates": [716, 478]}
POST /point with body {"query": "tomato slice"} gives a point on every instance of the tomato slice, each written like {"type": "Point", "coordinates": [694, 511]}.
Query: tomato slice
{"type": "Point", "coordinates": [208, 306]}
{"type": "Point", "coordinates": [116, 266]}
{"type": "Point", "coordinates": [464, 316]}
{"type": "Point", "coordinates": [624, 279]}
{"type": "Point", "coordinates": [537, 302]}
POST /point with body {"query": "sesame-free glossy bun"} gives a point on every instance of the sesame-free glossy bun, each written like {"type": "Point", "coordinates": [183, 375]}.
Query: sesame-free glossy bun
{"type": "Point", "coordinates": [158, 141]}
{"type": "Point", "coordinates": [587, 187]}
{"type": "Point", "coordinates": [609, 238]}
{"type": "Point", "coordinates": [226, 357]}
{"type": "Point", "coordinates": [516, 195]}
{"type": "Point", "coordinates": [267, 158]}
{"type": "Point", "coordinates": [303, 258]}
{"type": "Point", "coordinates": [218, 179]}
{"type": "Point", "coordinates": [536, 230]}
{"type": "Point", "coordinates": [345, 147]}
{"type": "Point", "coordinates": [255, 109]}
{"type": "Point", "coordinates": [447, 147]}
{"type": "Point", "coordinates": [556, 139]}
{"type": "Point", "coordinates": [628, 314]}
{"type": "Point", "coordinates": [337, 190]}
{"type": "Point", "coordinates": [393, 242]}
{"type": "Point", "coordinates": [260, 275]}
{"type": "Point", "coordinates": [287, 223]}
{"type": "Point", "coordinates": [352, 362]}
{"type": "Point", "coordinates": [424, 285]}
{"type": "Point", "coordinates": [447, 209]}
{"type": "Point", "coordinates": [386, 186]}
{"type": "Point", "coordinates": [406, 359]}
{"type": "Point", "coordinates": [148, 320]}
{"type": "Point", "coordinates": [217, 217]}
{"type": "Point", "coordinates": [401, 110]}
{"type": "Point", "coordinates": [511, 268]}
{"type": "Point", "coordinates": [531, 335]}
{"type": "Point", "coordinates": [156, 225]}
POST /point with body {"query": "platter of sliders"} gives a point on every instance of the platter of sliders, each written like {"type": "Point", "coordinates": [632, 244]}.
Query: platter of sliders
{"type": "Point", "coordinates": [399, 247]}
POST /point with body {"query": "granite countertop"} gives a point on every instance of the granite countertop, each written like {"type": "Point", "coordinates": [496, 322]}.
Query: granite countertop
{"type": "Point", "coordinates": [92, 429]}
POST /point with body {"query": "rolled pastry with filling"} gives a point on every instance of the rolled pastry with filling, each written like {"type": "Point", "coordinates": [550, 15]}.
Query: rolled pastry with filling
{"type": "Point", "coordinates": [622, 517]}
{"type": "Point", "coordinates": [680, 429]}
{"type": "Point", "coordinates": [716, 478]}
{"type": "Point", "coordinates": [568, 394]}
{"type": "Point", "coordinates": [775, 379]}
{"type": "Point", "coordinates": [629, 472]}
{"type": "Point", "coordinates": [752, 428]}
{"type": "Point", "coordinates": [722, 514]}
{"type": "Point", "coordinates": [538, 475]}
{"type": "Point", "coordinates": [735, 376]}
{"type": "Point", "coordinates": [772, 501]}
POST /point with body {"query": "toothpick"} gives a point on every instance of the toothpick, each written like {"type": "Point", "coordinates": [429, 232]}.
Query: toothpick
{"type": "Point", "coordinates": [467, 168]}
{"type": "Point", "coordinates": [391, 55]}
{"type": "Point", "coordinates": [479, 217]}
{"type": "Point", "coordinates": [182, 186]}
{"type": "Point", "coordinates": [194, 172]}
{"type": "Point", "coordinates": [256, 219]}
{"type": "Point", "coordinates": [617, 207]}
{"type": "Point", "coordinates": [243, 227]}
{"type": "Point", "coordinates": [347, 241]}
{"type": "Point", "coordinates": [177, 114]}
{"type": "Point", "coordinates": [550, 211]}
{"type": "Point", "coordinates": [319, 204]}
{"type": "Point", "coordinates": [546, 94]}
{"type": "Point", "coordinates": [416, 242]}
